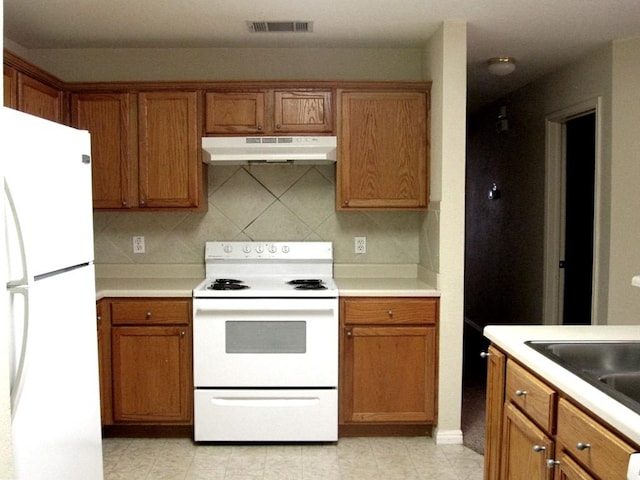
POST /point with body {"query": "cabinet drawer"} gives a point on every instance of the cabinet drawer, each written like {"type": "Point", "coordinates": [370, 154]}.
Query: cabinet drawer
{"type": "Point", "coordinates": [175, 312]}
{"type": "Point", "coordinates": [531, 395]}
{"type": "Point", "coordinates": [606, 455]}
{"type": "Point", "coordinates": [390, 310]}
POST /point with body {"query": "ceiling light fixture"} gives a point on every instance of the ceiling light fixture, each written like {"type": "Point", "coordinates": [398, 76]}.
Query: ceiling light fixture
{"type": "Point", "coordinates": [501, 66]}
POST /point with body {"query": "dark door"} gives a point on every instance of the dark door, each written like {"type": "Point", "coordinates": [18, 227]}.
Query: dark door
{"type": "Point", "coordinates": [579, 201]}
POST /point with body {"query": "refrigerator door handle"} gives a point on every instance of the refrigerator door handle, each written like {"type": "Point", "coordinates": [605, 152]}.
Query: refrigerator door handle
{"type": "Point", "coordinates": [19, 342]}
{"type": "Point", "coordinates": [17, 229]}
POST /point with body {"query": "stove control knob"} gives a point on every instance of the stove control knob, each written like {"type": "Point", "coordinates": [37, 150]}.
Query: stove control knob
{"type": "Point", "coordinates": [273, 249]}
{"type": "Point", "coordinates": [228, 249]}
{"type": "Point", "coordinates": [285, 249]}
{"type": "Point", "coordinates": [259, 249]}
{"type": "Point", "coordinates": [246, 249]}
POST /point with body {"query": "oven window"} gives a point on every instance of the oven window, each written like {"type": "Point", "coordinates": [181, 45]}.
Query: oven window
{"type": "Point", "coordinates": [266, 337]}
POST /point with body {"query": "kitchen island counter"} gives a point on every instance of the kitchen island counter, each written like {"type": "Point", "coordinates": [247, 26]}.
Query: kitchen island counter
{"type": "Point", "coordinates": [511, 340]}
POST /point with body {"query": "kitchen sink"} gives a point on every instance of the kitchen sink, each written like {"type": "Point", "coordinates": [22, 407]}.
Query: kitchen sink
{"type": "Point", "coordinates": [611, 366]}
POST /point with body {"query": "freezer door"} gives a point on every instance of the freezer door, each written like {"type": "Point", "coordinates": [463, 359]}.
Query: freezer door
{"type": "Point", "coordinates": [56, 412]}
{"type": "Point", "coordinates": [47, 190]}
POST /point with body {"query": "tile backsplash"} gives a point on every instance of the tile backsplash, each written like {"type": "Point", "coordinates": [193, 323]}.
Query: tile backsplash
{"type": "Point", "coordinates": [263, 202]}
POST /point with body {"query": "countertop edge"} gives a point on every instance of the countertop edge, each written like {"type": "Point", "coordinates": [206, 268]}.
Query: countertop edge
{"type": "Point", "coordinates": [510, 339]}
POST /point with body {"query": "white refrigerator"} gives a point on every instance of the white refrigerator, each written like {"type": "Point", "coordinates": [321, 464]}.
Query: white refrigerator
{"type": "Point", "coordinates": [50, 299]}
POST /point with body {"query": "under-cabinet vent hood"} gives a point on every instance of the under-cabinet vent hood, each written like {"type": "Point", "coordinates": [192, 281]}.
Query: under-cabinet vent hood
{"type": "Point", "coordinates": [260, 149]}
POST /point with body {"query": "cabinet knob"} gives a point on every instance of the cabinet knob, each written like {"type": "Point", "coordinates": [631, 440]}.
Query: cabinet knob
{"type": "Point", "coordinates": [552, 463]}
{"type": "Point", "coordinates": [278, 127]}
{"type": "Point", "coordinates": [390, 313]}
{"type": "Point", "coordinates": [182, 333]}
{"type": "Point", "coordinates": [142, 204]}
{"type": "Point", "coordinates": [521, 393]}
{"type": "Point", "coordinates": [259, 127]}
{"type": "Point", "coordinates": [485, 354]}
{"type": "Point", "coordinates": [149, 314]}
{"type": "Point", "coordinates": [583, 446]}
{"type": "Point", "coordinates": [349, 333]}
{"type": "Point", "coordinates": [539, 448]}
{"type": "Point", "coordinates": [345, 202]}
{"type": "Point", "coordinates": [124, 203]}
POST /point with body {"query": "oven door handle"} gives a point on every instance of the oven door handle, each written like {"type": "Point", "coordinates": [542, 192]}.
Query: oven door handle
{"type": "Point", "coordinates": [254, 401]}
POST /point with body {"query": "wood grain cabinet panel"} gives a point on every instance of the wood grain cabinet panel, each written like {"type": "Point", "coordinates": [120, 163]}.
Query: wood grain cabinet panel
{"type": "Point", "coordinates": [388, 363]}
{"type": "Point", "coordinates": [496, 371]}
{"type": "Point", "coordinates": [147, 362]}
{"type": "Point", "coordinates": [107, 117]}
{"type": "Point", "coordinates": [269, 112]}
{"type": "Point", "coordinates": [10, 76]}
{"type": "Point", "coordinates": [593, 445]}
{"type": "Point", "coordinates": [169, 149]}
{"type": "Point", "coordinates": [383, 150]}
{"type": "Point", "coordinates": [39, 99]}
{"type": "Point", "coordinates": [531, 395]}
{"type": "Point", "coordinates": [527, 448]}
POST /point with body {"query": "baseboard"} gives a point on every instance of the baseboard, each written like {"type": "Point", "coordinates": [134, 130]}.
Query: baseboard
{"type": "Point", "coordinates": [447, 437]}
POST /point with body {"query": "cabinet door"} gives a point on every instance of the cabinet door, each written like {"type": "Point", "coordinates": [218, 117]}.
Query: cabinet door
{"type": "Point", "coordinates": [526, 448]}
{"type": "Point", "coordinates": [170, 166]}
{"type": "Point", "coordinates": [39, 99]}
{"type": "Point", "coordinates": [494, 404]}
{"type": "Point", "coordinates": [383, 150]}
{"type": "Point", "coordinates": [104, 360]}
{"type": "Point", "coordinates": [235, 112]}
{"type": "Point", "coordinates": [388, 374]}
{"type": "Point", "coordinates": [151, 374]}
{"type": "Point", "coordinates": [303, 112]}
{"type": "Point", "coordinates": [107, 117]}
{"type": "Point", "coordinates": [567, 469]}
{"type": "Point", "coordinates": [10, 87]}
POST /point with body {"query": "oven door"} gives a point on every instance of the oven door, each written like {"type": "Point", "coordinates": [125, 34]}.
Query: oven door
{"type": "Point", "coordinates": [265, 342]}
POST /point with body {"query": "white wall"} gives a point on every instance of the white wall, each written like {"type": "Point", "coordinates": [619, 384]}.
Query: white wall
{"type": "Point", "coordinates": [445, 62]}
{"type": "Point", "coordinates": [139, 64]}
{"type": "Point", "coordinates": [624, 300]}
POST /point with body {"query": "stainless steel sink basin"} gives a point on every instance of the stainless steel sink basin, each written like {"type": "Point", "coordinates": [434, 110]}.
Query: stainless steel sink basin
{"type": "Point", "coordinates": [613, 367]}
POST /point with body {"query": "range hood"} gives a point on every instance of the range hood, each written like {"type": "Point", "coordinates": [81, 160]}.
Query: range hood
{"type": "Point", "coordinates": [261, 149]}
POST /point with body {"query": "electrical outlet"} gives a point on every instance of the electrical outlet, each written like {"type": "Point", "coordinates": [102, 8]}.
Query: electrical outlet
{"type": "Point", "coordinates": [360, 244]}
{"type": "Point", "coordinates": [138, 244]}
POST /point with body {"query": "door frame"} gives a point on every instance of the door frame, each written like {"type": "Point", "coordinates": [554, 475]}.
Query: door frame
{"type": "Point", "coordinates": [554, 208]}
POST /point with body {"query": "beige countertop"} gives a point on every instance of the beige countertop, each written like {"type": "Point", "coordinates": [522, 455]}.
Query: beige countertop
{"type": "Point", "coordinates": [179, 281]}
{"type": "Point", "coordinates": [511, 338]}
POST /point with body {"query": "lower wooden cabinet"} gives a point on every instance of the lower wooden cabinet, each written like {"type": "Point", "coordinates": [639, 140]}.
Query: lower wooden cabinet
{"type": "Point", "coordinates": [540, 434]}
{"type": "Point", "coordinates": [149, 376]}
{"type": "Point", "coordinates": [388, 363]}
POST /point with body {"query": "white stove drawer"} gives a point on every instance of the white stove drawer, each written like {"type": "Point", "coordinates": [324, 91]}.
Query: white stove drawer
{"type": "Point", "coordinates": [282, 415]}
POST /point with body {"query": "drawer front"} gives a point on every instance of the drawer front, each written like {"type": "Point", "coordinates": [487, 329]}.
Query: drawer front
{"type": "Point", "coordinates": [390, 310]}
{"type": "Point", "coordinates": [150, 312]}
{"type": "Point", "coordinates": [596, 447]}
{"type": "Point", "coordinates": [531, 395]}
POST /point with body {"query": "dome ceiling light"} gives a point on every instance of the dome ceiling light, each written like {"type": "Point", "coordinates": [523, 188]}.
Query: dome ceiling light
{"type": "Point", "coordinates": [501, 66]}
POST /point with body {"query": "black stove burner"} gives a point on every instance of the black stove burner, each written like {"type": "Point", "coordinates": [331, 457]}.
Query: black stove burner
{"type": "Point", "coordinates": [227, 284]}
{"type": "Point", "coordinates": [308, 284]}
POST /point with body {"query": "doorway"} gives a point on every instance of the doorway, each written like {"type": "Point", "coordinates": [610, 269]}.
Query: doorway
{"type": "Point", "coordinates": [579, 200]}
{"type": "Point", "coordinates": [572, 215]}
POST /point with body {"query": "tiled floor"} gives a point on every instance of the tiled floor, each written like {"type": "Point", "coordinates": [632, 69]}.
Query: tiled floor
{"type": "Point", "coordinates": [395, 458]}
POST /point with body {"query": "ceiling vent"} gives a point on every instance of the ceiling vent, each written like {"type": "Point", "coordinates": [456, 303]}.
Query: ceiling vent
{"type": "Point", "coordinates": [279, 27]}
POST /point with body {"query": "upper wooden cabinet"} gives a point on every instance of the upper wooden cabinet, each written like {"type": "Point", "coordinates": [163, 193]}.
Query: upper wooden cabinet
{"type": "Point", "coordinates": [383, 150]}
{"type": "Point", "coordinates": [10, 87]}
{"type": "Point", "coordinates": [270, 111]}
{"type": "Point", "coordinates": [39, 99]}
{"type": "Point", "coordinates": [30, 90]}
{"type": "Point", "coordinates": [145, 148]}
{"type": "Point", "coordinates": [170, 163]}
{"type": "Point", "coordinates": [107, 117]}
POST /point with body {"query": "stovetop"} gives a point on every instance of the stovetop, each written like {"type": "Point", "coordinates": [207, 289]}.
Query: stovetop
{"type": "Point", "coordinates": [268, 269]}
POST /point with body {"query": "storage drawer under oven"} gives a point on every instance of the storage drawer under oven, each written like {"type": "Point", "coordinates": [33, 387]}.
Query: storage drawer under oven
{"type": "Point", "coordinates": [258, 342]}
{"type": "Point", "coordinates": [249, 415]}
